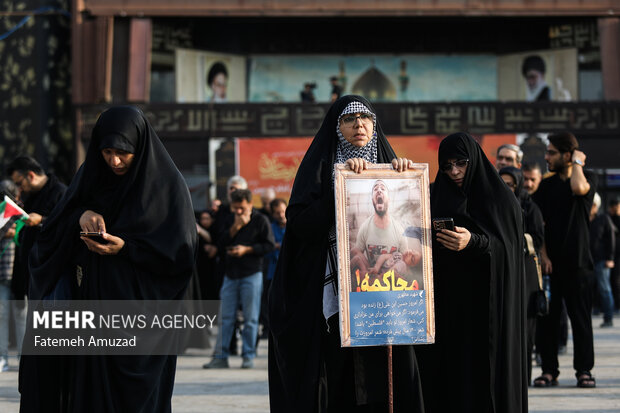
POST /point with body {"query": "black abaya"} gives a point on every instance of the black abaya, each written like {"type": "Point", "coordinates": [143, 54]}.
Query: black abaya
{"type": "Point", "coordinates": [149, 207]}
{"type": "Point", "coordinates": [302, 350]}
{"type": "Point", "coordinates": [479, 293]}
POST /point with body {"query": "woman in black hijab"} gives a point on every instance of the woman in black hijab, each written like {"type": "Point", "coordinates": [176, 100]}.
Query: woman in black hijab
{"type": "Point", "coordinates": [479, 289]}
{"type": "Point", "coordinates": [308, 370]}
{"type": "Point", "coordinates": [129, 188]}
{"type": "Point", "coordinates": [534, 230]}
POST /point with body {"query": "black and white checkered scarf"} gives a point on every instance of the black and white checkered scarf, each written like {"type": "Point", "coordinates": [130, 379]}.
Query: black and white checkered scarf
{"type": "Point", "coordinates": [344, 151]}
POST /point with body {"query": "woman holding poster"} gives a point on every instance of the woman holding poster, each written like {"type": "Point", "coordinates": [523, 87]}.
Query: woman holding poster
{"type": "Point", "coordinates": [308, 370]}
{"type": "Point", "coordinates": [479, 288]}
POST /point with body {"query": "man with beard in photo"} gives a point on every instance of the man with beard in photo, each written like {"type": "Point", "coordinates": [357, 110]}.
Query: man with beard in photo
{"type": "Point", "coordinates": [379, 234]}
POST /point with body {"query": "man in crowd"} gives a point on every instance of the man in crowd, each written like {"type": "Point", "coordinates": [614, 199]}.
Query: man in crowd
{"type": "Point", "coordinates": [603, 248]}
{"type": "Point", "coordinates": [268, 195]}
{"type": "Point", "coordinates": [40, 192]}
{"type": "Point", "coordinates": [565, 200]}
{"type": "Point", "coordinates": [247, 239]}
{"type": "Point", "coordinates": [508, 155]}
{"type": "Point", "coordinates": [531, 177]}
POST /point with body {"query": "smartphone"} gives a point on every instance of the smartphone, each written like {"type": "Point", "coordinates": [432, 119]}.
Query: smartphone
{"type": "Point", "coordinates": [95, 236]}
{"type": "Point", "coordinates": [443, 223]}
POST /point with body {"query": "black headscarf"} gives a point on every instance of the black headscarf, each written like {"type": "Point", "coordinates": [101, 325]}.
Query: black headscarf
{"type": "Point", "coordinates": [149, 207]}
{"type": "Point", "coordinates": [295, 298]}
{"type": "Point", "coordinates": [485, 205]}
{"type": "Point", "coordinates": [517, 175]}
{"type": "Point", "coordinates": [532, 217]}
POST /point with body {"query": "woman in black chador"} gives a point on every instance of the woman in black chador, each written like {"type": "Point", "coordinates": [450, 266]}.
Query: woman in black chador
{"type": "Point", "coordinates": [129, 188]}
{"type": "Point", "coordinates": [308, 370]}
{"type": "Point", "coordinates": [479, 353]}
{"type": "Point", "coordinates": [534, 229]}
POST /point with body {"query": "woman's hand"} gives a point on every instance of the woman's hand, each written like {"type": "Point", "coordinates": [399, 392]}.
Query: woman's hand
{"type": "Point", "coordinates": [114, 245]}
{"type": "Point", "coordinates": [402, 164]}
{"type": "Point", "coordinates": [455, 240]}
{"type": "Point", "coordinates": [91, 221]}
{"type": "Point", "coordinates": [357, 165]}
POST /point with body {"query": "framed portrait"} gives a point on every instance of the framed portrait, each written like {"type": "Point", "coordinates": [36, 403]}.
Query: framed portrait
{"type": "Point", "coordinates": [383, 229]}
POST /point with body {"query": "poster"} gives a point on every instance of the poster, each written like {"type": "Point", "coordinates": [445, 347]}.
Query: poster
{"type": "Point", "coordinates": [202, 76]}
{"type": "Point", "coordinates": [380, 78]}
{"type": "Point", "coordinates": [384, 256]}
{"type": "Point", "coordinates": [561, 72]}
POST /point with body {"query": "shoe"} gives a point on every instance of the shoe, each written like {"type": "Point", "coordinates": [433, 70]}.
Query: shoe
{"type": "Point", "coordinates": [4, 365]}
{"type": "Point", "coordinates": [248, 363]}
{"type": "Point", "coordinates": [585, 380]}
{"type": "Point", "coordinates": [216, 364]}
{"type": "Point", "coordinates": [607, 324]}
{"type": "Point", "coordinates": [545, 380]}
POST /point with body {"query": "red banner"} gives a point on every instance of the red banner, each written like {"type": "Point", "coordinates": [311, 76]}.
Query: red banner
{"type": "Point", "coordinates": [273, 162]}
{"type": "Point", "coordinates": [270, 162]}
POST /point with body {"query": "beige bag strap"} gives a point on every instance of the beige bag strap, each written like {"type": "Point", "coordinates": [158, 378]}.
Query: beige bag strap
{"type": "Point", "coordinates": [532, 252]}
{"type": "Point", "coordinates": [530, 244]}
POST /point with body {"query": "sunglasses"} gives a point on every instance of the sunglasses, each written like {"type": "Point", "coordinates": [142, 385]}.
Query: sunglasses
{"type": "Point", "coordinates": [350, 120]}
{"type": "Point", "coordinates": [447, 166]}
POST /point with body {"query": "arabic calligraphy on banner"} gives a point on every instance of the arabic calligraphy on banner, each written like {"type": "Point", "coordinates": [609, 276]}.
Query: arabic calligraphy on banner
{"type": "Point", "coordinates": [392, 317]}
{"type": "Point", "coordinates": [390, 283]}
{"type": "Point", "coordinates": [270, 163]}
{"type": "Point", "coordinates": [439, 118]}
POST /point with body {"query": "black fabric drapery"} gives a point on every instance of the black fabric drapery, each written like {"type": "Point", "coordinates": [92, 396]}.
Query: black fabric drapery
{"type": "Point", "coordinates": [479, 293]}
{"type": "Point", "coordinates": [149, 207]}
{"type": "Point", "coordinates": [297, 324]}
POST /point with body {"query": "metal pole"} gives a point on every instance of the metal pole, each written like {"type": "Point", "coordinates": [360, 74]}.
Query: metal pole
{"type": "Point", "coordinates": [390, 381]}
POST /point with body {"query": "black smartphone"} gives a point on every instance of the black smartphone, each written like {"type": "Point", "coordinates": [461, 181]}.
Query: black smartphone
{"type": "Point", "coordinates": [95, 236]}
{"type": "Point", "coordinates": [443, 223]}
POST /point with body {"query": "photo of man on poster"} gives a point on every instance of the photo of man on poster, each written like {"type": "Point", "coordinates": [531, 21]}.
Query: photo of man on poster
{"type": "Point", "coordinates": [385, 248]}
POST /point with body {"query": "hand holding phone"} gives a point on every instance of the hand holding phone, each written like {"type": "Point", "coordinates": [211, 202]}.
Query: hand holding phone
{"type": "Point", "coordinates": [95, 236]}
{"type": "Point", "coordinates": [443, 223]}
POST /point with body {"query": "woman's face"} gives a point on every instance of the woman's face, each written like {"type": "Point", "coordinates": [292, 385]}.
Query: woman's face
{"type": "Point", "coordinates": [455, 169]}
{"type": "Point", "coordinates": [357, 128]}
{"type": "Point", "coordinates": [206, 220]}
{"type": "Point", "coordinates": [510, 181]}
{"type": "Point", "coordinates": [118, 160]}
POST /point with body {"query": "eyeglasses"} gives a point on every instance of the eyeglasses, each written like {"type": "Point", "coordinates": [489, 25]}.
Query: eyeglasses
{"type": "Point", "coordinates": [511, 184]}
{"type": "Point", "coordinates": [447, 167]}
{"type": "Point", "coordinates": [350, 120]}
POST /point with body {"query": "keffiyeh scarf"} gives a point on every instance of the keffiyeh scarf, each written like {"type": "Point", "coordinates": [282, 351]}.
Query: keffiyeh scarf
{"type": "Point", "coordinates": [344, 151]}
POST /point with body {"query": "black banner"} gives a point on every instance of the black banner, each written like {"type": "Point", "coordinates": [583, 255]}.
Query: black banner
{"type": "Point", "coordinates": [271, 120]}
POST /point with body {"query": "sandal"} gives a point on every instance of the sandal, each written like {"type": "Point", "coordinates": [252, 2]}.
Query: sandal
{"type": "Point", "coordinates": [545, 380]}
{"type": "Point", "coordinates": [585, 380]}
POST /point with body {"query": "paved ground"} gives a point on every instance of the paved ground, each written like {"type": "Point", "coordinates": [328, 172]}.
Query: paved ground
{"type": "Point", "coordinates": [246, 391]}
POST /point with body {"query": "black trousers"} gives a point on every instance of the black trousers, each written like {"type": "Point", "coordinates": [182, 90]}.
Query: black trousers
{"type": "Point", "coordinates": [575, 289]}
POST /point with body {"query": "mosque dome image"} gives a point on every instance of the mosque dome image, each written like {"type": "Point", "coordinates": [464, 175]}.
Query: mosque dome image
{"type": "Point", "coordinates": [374, 85]}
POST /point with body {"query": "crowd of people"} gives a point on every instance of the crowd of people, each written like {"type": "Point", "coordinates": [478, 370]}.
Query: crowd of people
{"type": "Point", "coordinates": [275, 270]}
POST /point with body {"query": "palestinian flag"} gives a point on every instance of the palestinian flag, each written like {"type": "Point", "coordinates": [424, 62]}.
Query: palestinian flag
{"type": "Point", "coordinates": [10, 212]}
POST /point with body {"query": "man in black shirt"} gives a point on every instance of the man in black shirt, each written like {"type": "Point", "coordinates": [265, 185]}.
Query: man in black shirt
{"type": "Point", "coordinates": [40, 193]}
{"type": "Point", "coordinates": [246, 241]}
{"type": "Point", "coordinates": [565, 200]}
